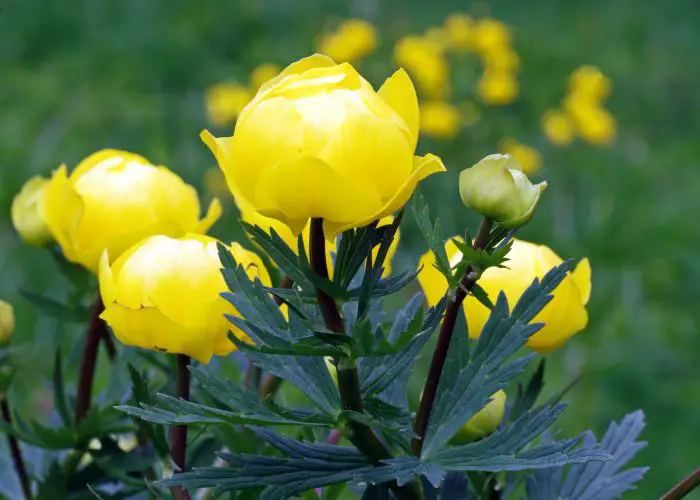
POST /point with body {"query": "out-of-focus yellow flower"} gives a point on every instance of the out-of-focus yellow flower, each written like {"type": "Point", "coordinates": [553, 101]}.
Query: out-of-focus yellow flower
{"type": "Point", "coordinates": [529, 158]}
{"type": "Point", "coordinates": [163, 294]}
{"type": "Point", "coordinates": [28, 212]}
{"type": "Point", "coordinates": [498, 89]}
{"type": "Point", "coordinates": [114, 199]}
{"type": "Point", "coordinates": [484, 422]}
{"type": "Point", "coordinates": [558, 127]}
{"type": "Point", "coordinates": [439, 119]}
{"type": "Point", "coordinates": [563, 317]}
{"type": "Point", "coordinates": [263, 73]}
{"type": "Point", "coordinates": [470, 113]}
{"type": "Point", "coordinates": [490, 34]}
{"type": "Point", "coordinates": [7, 321]}
{"type": "Point", "coordinates": [460, 30]}
{"type": "Point", "coordinates": [501, 60]}
{"type": "Point", "coordinates": [596, 126]}
{"type": "Point", "coordinates": [318, 141]}
{"type": "Point", "coordinates": [425, 60]}
{"type": "Point", "coordinates": [497, 188]}
{"type": "Point", "coordinates": [225, 101]}
{"type": "Point", "coordinates": [438, 36]}
{"type": "Point", "coordinates": [591, 82]}
{"type": "Point", "coordinates": [353, 40]}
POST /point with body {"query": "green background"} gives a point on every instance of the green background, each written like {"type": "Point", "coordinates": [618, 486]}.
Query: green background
{"type": "Point", "coordinates": [77, 76]}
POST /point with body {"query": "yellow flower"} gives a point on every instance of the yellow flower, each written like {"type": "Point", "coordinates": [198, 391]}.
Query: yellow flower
{"type": "Point", "coordinates": [500, 60]}
{"type": "Point", "coordinates": [224, 103]}
{"type": "Point", "coordinates": [354, 40]}
{"type": "Point", "coordinates": [596, 126]}
{"type": "Point", "coordinates": [529, 158]}
{"type": "Point", "coordinates": [439, 119]}
{"type": "Point", "coordinates": [7, 321]}
{"type": "Point", "coordinates": [558, 127]}
{"type": "Point", "coordinates": [163, 294]}
{"type": "Point", "coordinates": [591, 82]}
{"type": "Point", "coordinates": [563, 317]}
{"type": "Point", "coordinates": [498, 89]}
{"type": "Point", "coordinates": [28, 212]}
{"type": "Point", "coordinates": [460, 30]}
{"type": "Point", "coordinates": [497, 188]}
{"type": "Point", "coordinates": [261, 74]}
{"type": "Point", "coordinates": [114, 199]}
{"type": "Point", "coordinates": [318, 141]}
{"type": "Point", "coordinates": [485, 422]}
{"type": "Point", "coordinates": [490, 34]}
{"type": "Point", "coordinates": [425, 60]}
{"type": "Point", "coordinates": [438, 36]}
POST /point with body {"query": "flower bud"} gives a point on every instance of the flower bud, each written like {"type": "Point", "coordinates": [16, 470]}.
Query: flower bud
{"type": "Point", "coordinates": [164, 294]}
{"type": "Point", "coordinates": [497, 188]}
{"type": "Point", "coordinates": [28, 215]}
{"type": "Point", "coordinates": [7, 321]}
{"type": "Point", "coordinates": [484, 422]}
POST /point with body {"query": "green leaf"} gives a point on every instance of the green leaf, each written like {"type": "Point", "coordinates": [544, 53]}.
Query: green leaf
{"type": "Point", "coordinates": [141, 394]}
{"type": "Point", "coordinates": [527, 399]}
{"type": "Point", "coordinates": [432, 233]}
{"type": "Point", "coordinates": [481, 295]}
{"type": "Point", "coordinates": [56, 309]}
{"type": "Point", "coordinates": [59, 391]}
{"type": "Point", "coordinates": [326, 285]}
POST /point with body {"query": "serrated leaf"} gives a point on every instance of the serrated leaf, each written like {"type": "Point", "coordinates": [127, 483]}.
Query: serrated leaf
{"type": "Point", "coordinates": [59, 391]}
{"type": "Point", "coordinates": [432, 233]}
{"type": "Point", "coordinates": [378, 492]}
{"type": "Point", "coordinates": [481, 295]}
{"type": "Point", "coordinates": [55, 309]}
{"type": "Point", "coordinates": [527, 399]}
{"type": "Point", "coordinates": [455, 487]}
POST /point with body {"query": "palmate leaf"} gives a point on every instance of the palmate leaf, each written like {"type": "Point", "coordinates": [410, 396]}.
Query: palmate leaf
{"type": "Point", "coordinates": [469, 380]}
{"type": "Point", "coordinates": [433, 235]}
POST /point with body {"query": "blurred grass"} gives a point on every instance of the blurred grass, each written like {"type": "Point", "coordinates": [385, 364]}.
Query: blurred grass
{"type": "Point", "coordinates": [77, 76]}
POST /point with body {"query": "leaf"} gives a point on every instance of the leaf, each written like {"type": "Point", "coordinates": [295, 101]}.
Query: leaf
{"type": "Point", "coordinates": [527, 399]}
{"type": "Point", "coordinates": [59, 391]}
{"type": "Point", "coordinates": [378, 492]}
{"type": "Point", "coordinates": [142, 395]}
{"type": "Point", "coordinates": [481, 295]}
{"type": "Point", "coordinates": [432, 233]}
{"type": "Point", "coordinates": [383, 287]}
{"type": "Point", "coordinates": [56, 309]}
{"type": "Point", "coordinates": [455, 487]}
{"type": "Point", "coordinates": [326, 285]}
{"type": "Point", "coordinates": [463, 392]}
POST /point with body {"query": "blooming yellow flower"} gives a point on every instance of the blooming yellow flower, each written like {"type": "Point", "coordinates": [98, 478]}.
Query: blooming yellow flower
{"type": "Point", "coordinates": [563, 317]}
{"type": "Point", "coordinates": [224, 103]}
{"type": "Point", "coordinates": [596, 126]}
{"type": "Point", "coordinates": [318, 141]}
{"type": "Point", "coordinates": [425, 60]}
{"type": "Point", "coordinates": [439, 119]}
{"type": "Point", "coordinates": [7, 321]}
{"type": "Point", "coordinates": [498, 89]}
{"type": "Point", "coordinates": [490, 34]}
{"type": "Point", "coordinates": [529, 158]}
{"type": "Point", "coordinates": [438, 36]}
{"type": "Point", "coordinates": [591, 82]}
{"type": "Point", "coordinates": [460, 30]}
{"type": "Point", "coordinates": [500, 60]}
{"type": "Point", "coordinates": [353, 40]}
{"type": "Point", "coordinates": [28, 212]}
{"type": "Point", "coordinates": [558, 127]}
{"type": "Point", "coordinates": [484, 422]}
{"type": "Point", "coordinates": [163, 294]}
{"type": "Point", "coordinates": [114, 199]}
{"type": "Point", "coordinates": [261, 74]}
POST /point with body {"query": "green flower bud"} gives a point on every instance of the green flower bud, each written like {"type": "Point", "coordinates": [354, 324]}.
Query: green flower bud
{"type": "Point", "coordinates": [497, 188]}
{"type": "Point", "coordinates": [7, 321]}
{"type": "Point", "coordinates": [484, 422]}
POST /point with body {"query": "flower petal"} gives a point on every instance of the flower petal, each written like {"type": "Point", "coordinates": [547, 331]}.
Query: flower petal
{"type": "Point", "coordinates": [400, 95]}
{"type": "Point", "coordinates": [108, 289]}
{"type": "Point", "coordinates": [108, 157]}
{"type": "Point", "coordinates": [213, 214]}
{"type": "Point", "coordinates": [63, 210]}
{"type": "Point", "coordinates": [582, 278]}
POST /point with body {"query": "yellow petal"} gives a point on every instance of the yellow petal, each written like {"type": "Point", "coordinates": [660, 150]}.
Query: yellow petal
{"type": "Point", "coordinates": [400, 95]}
{"type": "Point", "coordinates": [107, 285]}
{"type": "Point", "coordinates": [107, 157]}
{"type": "Point", "coordinates": [307, 63]}
{"type": "Point", "coordinates": [582, 278]}
{"type": "Point", "coordinates": [63, 210]}
{"type": "Point", "coordinates": [213, 214]}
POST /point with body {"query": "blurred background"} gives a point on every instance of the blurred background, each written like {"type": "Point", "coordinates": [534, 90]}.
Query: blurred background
{"type": "Point", "coordinates": [600, 98]}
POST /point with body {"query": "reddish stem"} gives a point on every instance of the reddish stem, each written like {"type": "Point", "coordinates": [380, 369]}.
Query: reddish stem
{"type": "Point", "coordinates": [97, 329]}
{"type": "Point", "coordinates": [16, 452]}
{"type": "Point", "coordinates": [178, 437]}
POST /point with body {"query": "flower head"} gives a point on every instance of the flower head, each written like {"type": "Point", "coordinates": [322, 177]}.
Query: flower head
{"type": "Point", "coordinates": [114, 199]}
{"type": "Point", "coordinates": [225, 101]}
{"type": "Point", "coordinates": [164, 294]}
{"type": "Point", "coordinates": [484, 422]}
{"type": "Point", "coordinates": [460, 30]}
{"type": "Point", "coordinates": [318, 141]}
{"type": "Point", "coordinates": [439, 119]}
{"type": "Point", "coordinates": [498, 88]}
{"type": "Point", "coordinates": [558, 128]}
{"type": "Point", "coordinates": [28, 212]}
{"type": "Point", "coordinates": [353, 40]}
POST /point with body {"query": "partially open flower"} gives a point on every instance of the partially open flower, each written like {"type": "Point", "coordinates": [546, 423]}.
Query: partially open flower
{"type": "Point", "coordinates": [114, 199]}
{"type": "Point", "coordinates": [485, 422]}
{"type": "Point", "coordinates": [164, 294]}
{"type": "Point", "coordinates": [497, 188]}
{"type": "Point", "coordinates": [318, 141]}
{"type": "Point", "coordinates": [7, 321]}
{"type": "Point", "coordinates": [28, 212]}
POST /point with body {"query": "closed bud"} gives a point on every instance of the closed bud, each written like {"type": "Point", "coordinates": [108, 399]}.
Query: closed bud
{"type": "Point", "coordinates": [485, 422]}
{"type": "Point", "coordinates": [27, 213]}
{"type": "Point", "coordinates": [7, 321]}
{"type": "Point", "coordinates": [497, 188]}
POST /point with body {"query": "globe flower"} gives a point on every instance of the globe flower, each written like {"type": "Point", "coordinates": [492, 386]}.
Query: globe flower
{"type": "Point", "coordinates": [164, 294]}
{"type": "Point", "coordinates": [528, 157]}
{"type": "Point", "coordinates": [497, 188]}
{"type": "Point", "coordinates": [425, 60]}
{"type": "Point", "coordinates": [7, 321]}
{"type": "Point", "coordinates": [501, 60]}
{"type": "Point", "coordinates": [558, 128]}
{"type": "Point", "coordinates": [28, 212]}
{"type": "Point", "coordinates": [354, 40]}
{"type": "Point", "coordinates": [318, 141]}
{"type": "Point", "coordinates": [485, 422]}
{"type": "Point", "coordinates": [563, 317]}
{"type": "Point", "coordinates": [261, 74]}
{"type": "Point", "coordinates": [114, 199]}
{"type": "Point", "coordinates": [460, 30]}
{"type": "Point", "coordinates": [497, 88]}
{"type": "Point", "coordinates": [439, 119]}
{"type": "Point", "coordinates": [589, 80]}
{"type": "Point", "coordinates": [224, 103]}
{"type": "Point", "coordinates": [596, 126]}
{"type": "Point", "coordinates": [490, 34]}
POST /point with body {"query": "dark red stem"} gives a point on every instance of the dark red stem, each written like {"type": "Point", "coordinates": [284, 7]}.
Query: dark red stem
{"type": "Point", "coordinates": [684, 487]}
{"type": "Point", "coordinates": [16, 452]}
{"type": "Point", "coordinates": [97, 329]}
{"type": "Point", "coordinates": [178, 436]}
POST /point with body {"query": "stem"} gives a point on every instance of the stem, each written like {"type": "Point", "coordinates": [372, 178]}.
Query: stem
{"type": "Point", "coordinates": [178, 437]}
{"type": "Point", "coordinates": [684, 487]}
{"type": "Point", "coordinates": [97, 329]}
{"type": "Point", "coordinates": [443, 342]}
{"type": "Point", "coordinates": [16, 452]}
{"type": "Point", "coordinates": [360, 435]}
{"type": "Point", "coordinates": [252, 377]}
{"type": "Point", "coordinates": [109, 344]}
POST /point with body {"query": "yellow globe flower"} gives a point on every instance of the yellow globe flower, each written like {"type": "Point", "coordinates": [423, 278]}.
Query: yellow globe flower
{"type": "Point", "coordinates": [318, 141]}
{"type": "Point", "coordinates": [261, 74]}
{"type": "Point", "coordinates": [439, 119]}
{"type": "Point", "coordinates": [224, 103]}
{"type": "Point", "coordinates": [353, 40]}
{"type": "Point", "coordinates": [498, 89]}
{"type": "Point", "coordinates": [485, 422]}
{"type": "Point", "coordinates": [114, 199]}
{"type": "Point", "coordinates": [490, 34]}
{"type": "Point", "coordinates": [460, 30]}
{"type": "Point", "coordinates": [590, 81]}
{"type": "Point", "coordinates": [597, 126]}
{"type": "Point", "coordinates": [563, 317]}
{"type": "Point", "coordinates": [529, 158]}
{"type": "Point", "coordinates": [501, 60]}
{"type": "Point", "coordinates": [163, 294]}
{"type": "Point", "coordinates": [7, 321]}
{"type": "Point", "coordinates": [558, 127]}
{"type": "Point", "coordinates": [28, 212]}
{"type": "Point", "coordinates": [425, 60]}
